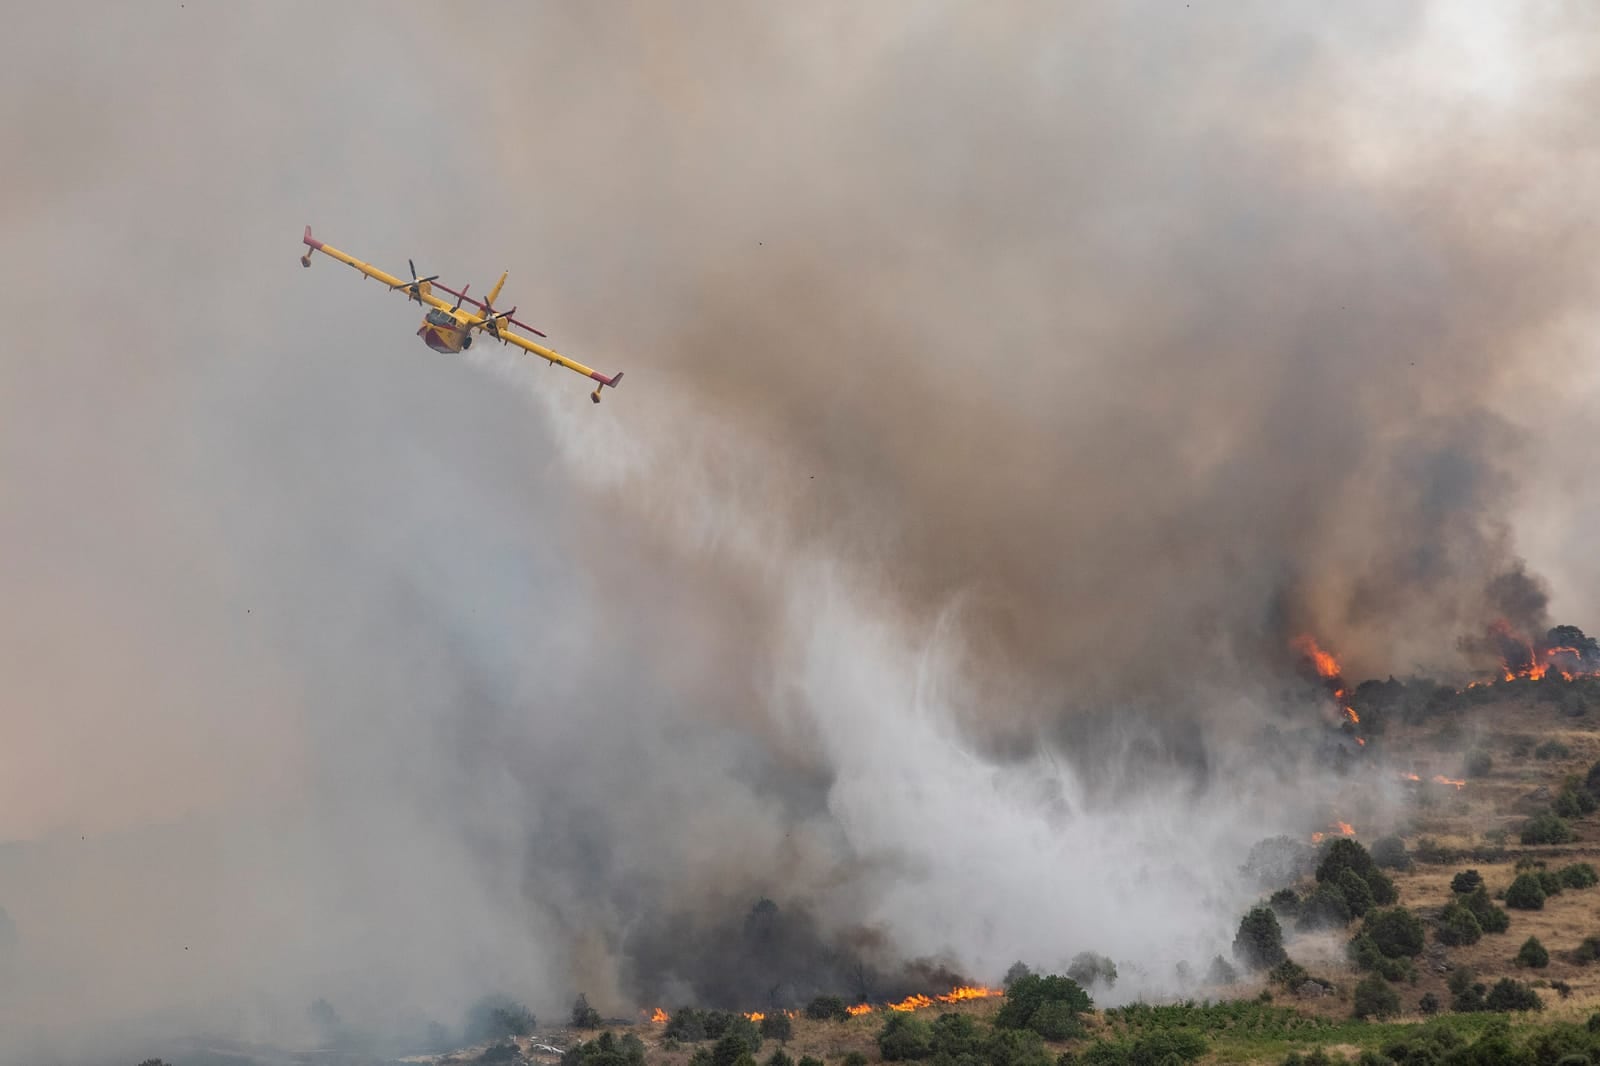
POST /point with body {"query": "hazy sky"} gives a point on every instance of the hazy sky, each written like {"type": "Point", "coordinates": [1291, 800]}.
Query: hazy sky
{"type": "Point", "coordinates": [987, 370]}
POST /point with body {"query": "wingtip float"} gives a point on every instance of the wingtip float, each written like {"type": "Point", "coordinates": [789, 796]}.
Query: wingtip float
{"type": "Point", "coordinates": [447, 327]}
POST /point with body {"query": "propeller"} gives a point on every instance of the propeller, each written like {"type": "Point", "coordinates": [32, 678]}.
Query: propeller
{"type": "Point", "coordinates": [415, 285]}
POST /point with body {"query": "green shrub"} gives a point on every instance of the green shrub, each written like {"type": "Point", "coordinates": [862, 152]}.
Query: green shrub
{"type": "Point", "coordinates": [495, 1018]}
{"type": "Point", "coordinates": [737, 1042]}
{"type": "Point", "coordinates": [1221, 972]}
{"type": "Point", "coordinates": [1356, 892]}
{"type": "Point", "coordinates": [1390, 853]}
{"type": "Point", "coordinates": [1550, 882]}
{"type": "Point", "coordinates": [1343, 854]}
{"type": "Point", "coordinates": [583, 1015]}
{"type": "Point", "coordinates": [1015, 1047]}
{"type": "Point", "coordinates": [1384, 893]}
{"type": "Point", "coordinates": [905, 1037]}
{"type": "Point", "coordinates": [1478, 764]}
{"type": "Point", "coordinates": [1508, 995]}
{"type": "Point", "coordinates": [686, 1024]}
{"type": "Point", "coordinates": [822, 1008]}
{"type": "Point", "coordinates": [779, 1058]}
{"type": "Point", "coordinates": [854, 1058]}
{"type": "Point", "coordinates": [1375, 999]}
{"type": "Point", "coordinates": [1466, 881]}
{"type": "Point", "coordinates": [1491, 918]}
{"type": "Point", "coordinates": [1396, 931]}
{"type": "Point", "coordinates": [1546, 828]}
{"type": "Point", "coordinates": [1089, 969]}
{"type": "Point", "coordinates": [955, 1035]}
{"type": "Point", "coordinates": [809, 1060]}
{"type": "Point", "coordinates": [1428, 1004]}
{"type": "Point", "coordinates": [1587, 952]}
{"type": "Point", "coordinates": [1525, 893]}
{"type": "Point", "coordinates": [1285, 903]}
{"type": "Point", "coordinates": [777, 1026]}
{"type": "Point", "coordinates": [1259, 942]}
{"type": "Point", "coordinates": [1288, 973]}
{"type": "Point", "coordinates": [1323, 909]}
{"type": "Point", "coordinates": [1027, 994]}
{"type": "Point", "coordinates": [1457, 927]}
{"type": "Point", "coordinates": [1533, 954]}
{"type": "Point", "coordinates": [1552, 749]}
{"type": "Point", "coordinates": [1578, 875]}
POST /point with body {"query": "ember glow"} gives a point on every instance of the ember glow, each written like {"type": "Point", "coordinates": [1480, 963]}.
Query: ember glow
{"type": "Point", "coordinates": [1440, 779]}
{"type": "Point", "coordinates": [1342, 828]}
{"type": "Point", "coordinates": [1563, 652]}
{"type": "Point", "coordinates": [956, 995]}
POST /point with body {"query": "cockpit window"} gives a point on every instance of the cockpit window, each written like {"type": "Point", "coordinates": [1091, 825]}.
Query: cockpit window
{"type": "Point", "coordinates": [441, 318]}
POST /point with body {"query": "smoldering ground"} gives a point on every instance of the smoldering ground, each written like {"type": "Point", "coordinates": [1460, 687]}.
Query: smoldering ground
{"type": "Point", "coordinates": [1004, 389]}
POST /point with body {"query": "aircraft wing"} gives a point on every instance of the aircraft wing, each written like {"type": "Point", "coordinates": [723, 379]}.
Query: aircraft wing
{"type": "Point", "coordinates": [422, 294]}
{"type": "Point", "coordinates": [557, 359]}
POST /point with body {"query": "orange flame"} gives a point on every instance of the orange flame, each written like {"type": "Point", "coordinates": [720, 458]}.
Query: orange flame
{"type": "Point", "coordinates": [956, 995]}
{"type": "Point", "coordinates": [912, 1003]}
{"type": "Point", "coordinates": [1440, 779]}
{"type": "Point", "coordinates": [1326, 665]}
{"type": "Point", "coordinates": [859, 1009]}
{"type": "Point", "coordinates": [1350, 712]}
{"type": "Point", "coordinates": [660, 1017]}
{"type": "Point", "coordinates": [1344, 828]}
{"type": "Point", "coordinates": [756, 1016]}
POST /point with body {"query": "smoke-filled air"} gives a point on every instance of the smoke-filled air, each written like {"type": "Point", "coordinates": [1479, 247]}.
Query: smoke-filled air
{"type": "Point", "coordinates": [1018, 399]}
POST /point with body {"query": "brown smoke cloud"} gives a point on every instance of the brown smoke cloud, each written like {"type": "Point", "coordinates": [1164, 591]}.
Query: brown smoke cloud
{"type": "Point", "coordinates": [989, 371]}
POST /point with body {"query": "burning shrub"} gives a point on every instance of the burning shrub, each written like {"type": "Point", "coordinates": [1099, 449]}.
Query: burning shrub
{"type": "Point", "coordinates": [1526, 893]}
{"type": "Point", "coordinates": [1027, 995]}
{"type": "Point", "coordinates": [1466, 881]}
{"type": "Point", "coordinates": [583, 1015]}
{"type": "Point", "coordinates": [1547, 828]}
{"type": "Point", "coordinates": [1533, 954]}
{"type": "Point", "coordinates": [824, 1008]}
{"type": "Point", "coordinates": [777, 1026]}
{"type": "Point", "coordinates": [1089, 969]}
{"type": "Point", "coordinates": [1259, 942]}
{"type": "Point", "coordinates": [1375, 999]}
{"type": "Point", "coordinates": [1457, 926]}
{"type": "Point", "coordinates": [905, 1037]}
{"type": "Point", "coordinates": [1390, 853]}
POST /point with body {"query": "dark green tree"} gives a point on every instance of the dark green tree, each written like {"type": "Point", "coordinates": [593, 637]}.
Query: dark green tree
{"type": "Point", "coordinates": [583, 1015]}
{"type": "Point", "coordinates": [824, 1008]}
{"type": "Point", "coordinates": [905, 1037]}
{"type": "Point", "coordinates": [1375, 999]}
{"type": "Point", "coordinates": [1526, 893]}
{"type": "Point", "coordinates": [1533, 954]}
{"type": "Point", "coordinates": [1466, 881]}
{"type": "Point", "coordinates": [1457, 927]}
{"type": "Point", "coordinates": [777, 1026]}
{"type": "Point", "coordinates": [1259, 941]}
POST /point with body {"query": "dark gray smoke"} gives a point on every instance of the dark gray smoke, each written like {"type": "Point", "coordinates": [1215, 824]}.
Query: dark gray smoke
{"type": "Point", "coordinates": [1005, 390]}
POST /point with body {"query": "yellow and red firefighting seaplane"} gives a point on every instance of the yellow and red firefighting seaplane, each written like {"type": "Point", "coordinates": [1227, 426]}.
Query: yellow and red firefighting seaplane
{"type": "Point", "coordinates": [447, 328]}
